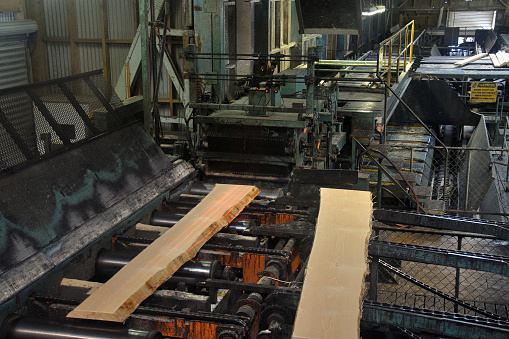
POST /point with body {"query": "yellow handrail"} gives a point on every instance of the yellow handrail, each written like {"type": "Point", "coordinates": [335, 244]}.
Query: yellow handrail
{"type": "Point", "coordinates": [127, 80]}
{"type": "Point", "coordinates": [405, 49]}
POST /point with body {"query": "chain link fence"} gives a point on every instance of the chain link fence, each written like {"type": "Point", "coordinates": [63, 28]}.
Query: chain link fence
{"type": "Point", "coordinates": [462, 180]}
{"type": "Point", "coordinates": [486, 291]}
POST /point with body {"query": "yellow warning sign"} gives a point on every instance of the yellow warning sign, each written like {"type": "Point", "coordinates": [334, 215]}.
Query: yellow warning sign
{"type": "Point", "coordinates": [483, 92]}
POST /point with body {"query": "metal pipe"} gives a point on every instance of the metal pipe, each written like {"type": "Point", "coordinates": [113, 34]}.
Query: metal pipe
{"type": "Point", "coordinates": [467, 180]}
{"type": "Point", "coordinates": [411, 160]}
{"type": "Point", "coordinates": [457, 279]}
{"type": "Point", "coordinates": [289, 245]}
{"type": "Point", "coordinates": [110, 262]}
{"type": "Point", "coordinates": [40, 328]}
{"type": "Point", "coordinates": [286, 78]}
{"type": "Point", "coordinates": [239, 107]}
{"type": "Point", "coordinates": [255, 55]}
{"type": "Point", "coordinates": [379, 187]}
{"type": "Point", "coordinates": [168, 219]}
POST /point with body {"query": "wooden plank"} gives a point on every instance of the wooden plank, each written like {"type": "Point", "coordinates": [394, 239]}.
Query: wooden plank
{"type": "Point", "coordinates": [495, 61]}
{"type": "Point", "coordinates": [503, 57]}
{"type": "Point", "coordinates": [136, 281]}
{"type": "Point", "coordinates": [470, 59]}
{"type": "Point", "coordinates": [330, 303]}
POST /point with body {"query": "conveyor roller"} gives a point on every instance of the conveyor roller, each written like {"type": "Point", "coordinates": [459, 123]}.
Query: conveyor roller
{"type": "Point", "coordinates": [40, 328]}
{"type": "Point", "coordinates": [110, 262]}
{"type": "Point", "coordinates": [168, 219]}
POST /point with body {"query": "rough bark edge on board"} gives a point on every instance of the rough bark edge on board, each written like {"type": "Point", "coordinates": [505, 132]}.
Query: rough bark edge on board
{"type": "Point", "coordinates": [305, 327]}
{"type": "Point", "coordinates": [119, 312]}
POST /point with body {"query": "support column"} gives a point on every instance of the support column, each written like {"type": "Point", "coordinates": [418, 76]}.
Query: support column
{"type": "Point", "coordinates": [105, 46]}
{"type": "Point", "coordinates": [145, 72]}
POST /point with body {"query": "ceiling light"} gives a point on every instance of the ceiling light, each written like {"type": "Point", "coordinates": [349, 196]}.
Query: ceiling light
{"type": "Point", "coordinates": [374, 10]}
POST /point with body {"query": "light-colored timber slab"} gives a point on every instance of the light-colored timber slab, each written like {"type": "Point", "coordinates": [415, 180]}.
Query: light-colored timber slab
{"type": "Point", "coordinates": [119, 296]}
{"type": "Point", "coordinates": [330, 303]}
{"type": "Point", "coordinates": [495, 61]}
{"type": "Point", "coordinates": [470, 59]}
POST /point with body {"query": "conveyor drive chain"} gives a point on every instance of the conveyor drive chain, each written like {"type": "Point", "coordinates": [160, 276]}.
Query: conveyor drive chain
{"type": "Point", "coordinates": [437, 292]}
{"type": "Point", "coordinates": [444, 250]}
{"type": "Point", "coordinates": [454, 223]}
{"type": "Point", "coordinates": [166, 312]}
{"type": "Point", "coordinates": [440, 256]}
{"type": "Point", "coordinates": [266, 251]}
{"type": "Point", "coordinates": [408, 333]}
{"type": "Point", "coordinates": [494, 324]}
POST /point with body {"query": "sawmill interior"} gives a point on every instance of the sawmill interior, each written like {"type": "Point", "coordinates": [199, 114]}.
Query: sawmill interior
{"type": "Point", "coordinates": [254, 169]}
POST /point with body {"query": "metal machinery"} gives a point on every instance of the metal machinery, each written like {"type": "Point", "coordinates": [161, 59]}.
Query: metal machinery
{"type": "Point", "coordinates": [84, 189]}
{"type": "Point", "coordinates": [280, 123]}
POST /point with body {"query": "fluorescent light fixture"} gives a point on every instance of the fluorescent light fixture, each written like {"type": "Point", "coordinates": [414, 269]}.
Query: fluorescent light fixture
{"type": "Point", "coordinates": [374, 10]}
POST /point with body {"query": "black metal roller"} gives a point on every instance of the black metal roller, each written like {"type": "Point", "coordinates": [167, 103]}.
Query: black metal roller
{"type": "Point", "coordinates": [168, 219]}
{"type": "Point", "coordinates": [40, 328]}
{"type": "Point", "coordinates": [110, 262]}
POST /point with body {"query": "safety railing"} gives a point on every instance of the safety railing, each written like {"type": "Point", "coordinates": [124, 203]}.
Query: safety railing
{"type": "Point", "coordinates": [461, 177]}
{"type": "Point", "coordinates": [382, 170]}
{"type": "Point", "coordinates": [505, 144]}
{"type": "Point", "coordinates": [403, 40]}
{"type": "Point", "coordinates": [438, 285]}
{"type": "Point", "coordinates": [506, 132]}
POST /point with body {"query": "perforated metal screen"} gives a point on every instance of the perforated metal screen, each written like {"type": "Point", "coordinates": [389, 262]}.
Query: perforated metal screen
{"type": "Point", "coordinates": [38, 119]}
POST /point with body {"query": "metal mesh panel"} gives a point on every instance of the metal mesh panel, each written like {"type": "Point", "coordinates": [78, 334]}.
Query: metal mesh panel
{"type": "Point", "coordinates": [462, 178]}
{"type": "Point", "coordinates": [38, 119]}
{"type": "Point", "coordinates": [487, 291]}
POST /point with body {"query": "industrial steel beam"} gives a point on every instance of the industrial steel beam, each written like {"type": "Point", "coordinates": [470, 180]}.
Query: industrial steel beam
{"type": "Point", "coordinates": [439, 256]}
{"type": "Point", "coordinates": [442, 323]}
{"type": "Point", "coordinates": [497, 229]}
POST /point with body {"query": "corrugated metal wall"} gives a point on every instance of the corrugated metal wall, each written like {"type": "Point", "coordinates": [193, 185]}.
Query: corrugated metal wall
{"type": "Point", "coordinates": [120, 26]}
{"type": "Point", "coordinates": [13, 50]}
{"type": "Point", "coordinates": [176, 48]}
{"type": "Point", "coordinates": [59, 53]}
{"type": "Point", "coordinates": [88, 26]}
{"type": "Point", "coordinates": [7, 16]}
{"type": "Point", "coordinates": [13, 64]}
{"type": "Point", "coordinates": [14, 72]}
